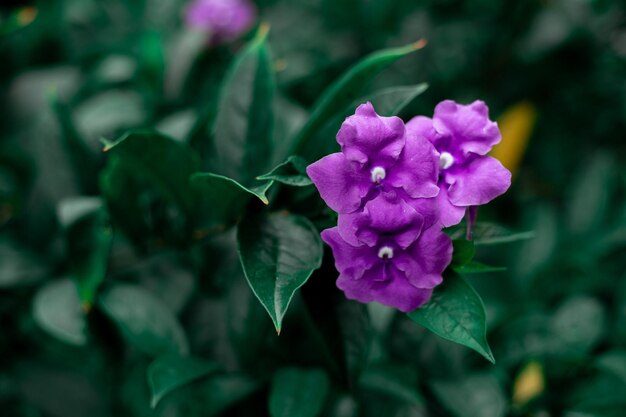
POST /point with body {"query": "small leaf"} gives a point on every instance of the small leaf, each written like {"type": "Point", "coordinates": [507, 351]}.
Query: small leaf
{"type": "Point", "coordinates": [456, 313]}
{"type": "Point", "coordinates": [224, 199]}
{"type": "Point", "coordinates": [344, 91]}
{"type": "Point", "coordinates": [244, 122]}
{"type": "Point", "coordinates": [278, 253]}
{"type": "Point", "coordinates": [57, 310]}
{"type": "Point", "coordinates": [167, 373]}
{"type": "Point", "coordinates": [298, 393]}
{"type": "Point", "coordinates": [463, 252]}
{"type": "Point", "coordinates": [144, 320]}
{"type": "Point", "coordinates": [88, 243]}
{"type": "Point", "coordinates": [473, 267]}
{"type": "Point", "coordinates": [291, 172]}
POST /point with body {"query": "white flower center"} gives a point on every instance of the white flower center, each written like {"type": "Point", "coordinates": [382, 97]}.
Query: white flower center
{"type": "Point", "coordinates": [385, 252]}
{"type": "Point", "coordinates": [445, 160]}
{"type": "Point", "coordinates": [378, 174]}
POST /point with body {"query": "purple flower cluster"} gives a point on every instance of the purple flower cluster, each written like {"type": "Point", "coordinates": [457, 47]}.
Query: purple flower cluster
{"type": "Point", "coordinates": [395, 187]}
{"type": "Point", "coordinates": [224, 20]}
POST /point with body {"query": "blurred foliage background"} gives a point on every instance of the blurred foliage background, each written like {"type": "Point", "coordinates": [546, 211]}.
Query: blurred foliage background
{"type": "Point", "coordinates": [74, 71]}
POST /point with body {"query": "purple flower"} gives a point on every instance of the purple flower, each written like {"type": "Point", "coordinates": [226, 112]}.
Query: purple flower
{"type": "Point", "coordinates": [463, 135]}
{"type": "Point", "coordinates": [377, 155]}
{"type": "Point", "coordinates": [223, 19]}
{"type": "Point", "coordinates": [391, 215]}
{"type": "Point", "coordinates": [391, 273]}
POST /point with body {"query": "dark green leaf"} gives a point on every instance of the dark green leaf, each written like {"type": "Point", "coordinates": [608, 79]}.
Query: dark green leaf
{"type": "Point", "coordinates": [243, 125]}
{"type": "Point", "coordinates": [298, 393]}
{"type": "Point", "coordinates": [472, 396]}
{"type": "Point", "coordinates": [278, 253]}
{"type": "Point", "coordinates": [167, 373]}
{"type": "Point", "coordinates": [144, 320]}
{"type": "Point", "coordinates": [290, 172]}
{"type": "Point", "coordinates": [463, 252]}
{"type": "Point", "coordinates": [167, 164]}
{"type": "Point", "coordinates": [343, 92]}
{"type": "Point", "coordinates": [88, 243]}
{"type": "Point", "coordinates": [224, 199]}
{"type": "Point", "coordinates": [57, 310]}
{"type": "Point", "coordinates": [456, 312]}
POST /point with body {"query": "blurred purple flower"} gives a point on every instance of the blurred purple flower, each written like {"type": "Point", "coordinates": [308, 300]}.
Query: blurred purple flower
{"type": "Point", "coordinates": [391, 273]}
{"type": "Point", "coordinates": [222, 19]}
{"type": "Point", "coordinates": [376, 156]}
{"type": "Point", "coordinates": [463, 135]}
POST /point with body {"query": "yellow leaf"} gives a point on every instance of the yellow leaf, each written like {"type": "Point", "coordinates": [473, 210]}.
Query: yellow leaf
{"type": "Point", "coordinates": [516, 125]}
{"type": "Point", "coordinates": [529, 384]}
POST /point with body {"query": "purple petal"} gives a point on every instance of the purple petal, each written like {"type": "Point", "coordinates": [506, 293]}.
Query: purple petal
{"type": "Point", "coordinates": [478, 183]}
{"type": "Point", "coordinates": [394, 290]}
{"type": "Point", "coordinates": [341, 187]}
{"type": "Point", "coordinates": [417, 169]}
{"type": "Point", "coordinates": [449, 214]}
{"type": "Point", "coordinates": [468, 126]}
{"type": "Point", "coordinates": [350, 260]}
{"type": "Point", "coordinates": [368, 137]}
{"type": "Point", "coordinates": [422, 126]}
{"type": "Point", "coordinates": [424, 262]}
{"type": "Point", "coordinates": [224, 19]}
{"type": "Point", "coordinates": [428, 208]}
{"type": "Point", "coordinates": [386, 216]}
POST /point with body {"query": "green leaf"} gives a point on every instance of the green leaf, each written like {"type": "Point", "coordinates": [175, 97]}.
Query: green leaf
{"type": "Point", "coordinates": [391, 101]}
{"type": "Point", "coordinates": [57, 310]}
{"type": "Point", "coordinates": [486, 233]}
{"type": "Point", "coordinates": [473, 267]}
{"type": "Point", "coordinates": [456, 313]}
{"type": "Point", "coordinates": [224, 199]}
{"type": "Point", "coordinates": [344, 91]}
{"type": "Point", "coordinates": [463, 252]}
{"type": "Point", "coordinates": [243, 125]}
{"type": "Point", "coordinates": [88, 243]}
{"type": "Point", "coordinates": [167, 373]}
{"type": "Point", "coordinates": [278, 253]}
{"type": "Point", "coordinates": [298, 392]}
{"type": "Point", "coordinates": [472, 396]}
{"type": "Point", "coordinates": [291, 172]}
{"type": "Point", "coordinates": [144, 321]}
{"type": "Point", "coordinates": [167, 164]}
